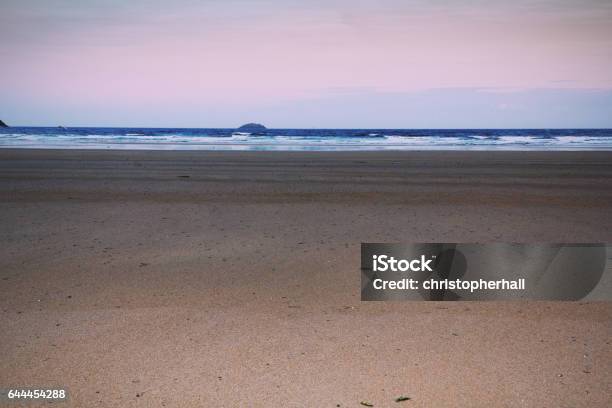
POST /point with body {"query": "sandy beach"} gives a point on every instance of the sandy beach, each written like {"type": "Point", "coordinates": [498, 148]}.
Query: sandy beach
{"type": "Point", "coordinates": [231, 279]}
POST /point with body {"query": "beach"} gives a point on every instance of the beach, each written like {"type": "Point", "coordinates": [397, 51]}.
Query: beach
{"type": "Point", "coordinates": [225, 279]}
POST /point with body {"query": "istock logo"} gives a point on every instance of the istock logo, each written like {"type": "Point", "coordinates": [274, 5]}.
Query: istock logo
{"type": "Point", "coordinates": [383, 263]}
{"type": "Point", "coordinates": [477, 271]}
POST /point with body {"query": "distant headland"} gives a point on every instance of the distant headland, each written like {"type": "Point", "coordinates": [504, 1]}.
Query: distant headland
{"type": "Point", "coordinates": [2, 124]}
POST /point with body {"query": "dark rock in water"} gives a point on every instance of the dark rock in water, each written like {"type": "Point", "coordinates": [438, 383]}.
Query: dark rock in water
{"type": "Point", "coordinates": [253, 128]}
{"type": "Point", "coordinates": [2, 124]}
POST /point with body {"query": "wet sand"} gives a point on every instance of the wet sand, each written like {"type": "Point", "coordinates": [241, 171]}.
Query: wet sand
{"type": "Point", "coordinates": [229, 279]}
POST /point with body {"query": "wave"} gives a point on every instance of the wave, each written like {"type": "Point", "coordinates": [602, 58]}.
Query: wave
{"type": "Point", "coordinates": [307, 139]}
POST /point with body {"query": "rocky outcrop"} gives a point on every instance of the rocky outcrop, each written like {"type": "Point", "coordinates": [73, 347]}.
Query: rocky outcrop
{"type": "Point", "coordinates": [2, 124]}
{"type": "Point", "coordinates": [252, 128]}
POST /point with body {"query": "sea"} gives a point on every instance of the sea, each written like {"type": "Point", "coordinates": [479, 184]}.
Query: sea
{"type": "Point", "coordinates": [304, 139]}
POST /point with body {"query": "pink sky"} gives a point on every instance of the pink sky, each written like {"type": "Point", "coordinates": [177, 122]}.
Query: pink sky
{"type": "Point", "coordinates": [125, 60]}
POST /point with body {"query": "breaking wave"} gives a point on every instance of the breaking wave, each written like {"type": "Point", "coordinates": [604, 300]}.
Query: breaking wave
{"type": "Point", "coordinates": [306, 139]}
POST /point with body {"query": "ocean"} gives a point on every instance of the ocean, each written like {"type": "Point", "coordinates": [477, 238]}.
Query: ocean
{"type": "Point", "coordinates": [305, 139]}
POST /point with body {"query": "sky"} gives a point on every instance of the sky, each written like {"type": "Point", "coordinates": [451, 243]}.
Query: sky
{"type": "Point", "coordinates": [307, 64]}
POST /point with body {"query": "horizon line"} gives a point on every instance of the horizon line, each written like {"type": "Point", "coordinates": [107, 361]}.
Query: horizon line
{"type": "Point", "coordinates": [311, 128]}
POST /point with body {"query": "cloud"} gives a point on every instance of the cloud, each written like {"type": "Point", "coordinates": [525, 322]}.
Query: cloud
{"type": "Point", "coordinates": [432, 108]}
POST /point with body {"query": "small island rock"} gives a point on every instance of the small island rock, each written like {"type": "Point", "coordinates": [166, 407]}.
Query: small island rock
{"type": "Point", "coordinates": [252, 128]}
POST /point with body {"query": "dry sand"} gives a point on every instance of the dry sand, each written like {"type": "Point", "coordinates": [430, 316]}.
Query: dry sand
{"type": "Point", "coordinates": [210, 279]}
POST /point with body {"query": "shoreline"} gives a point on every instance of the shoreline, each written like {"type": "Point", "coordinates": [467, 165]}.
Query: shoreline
{"type": "Point", "coordinates": [278, 148]}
